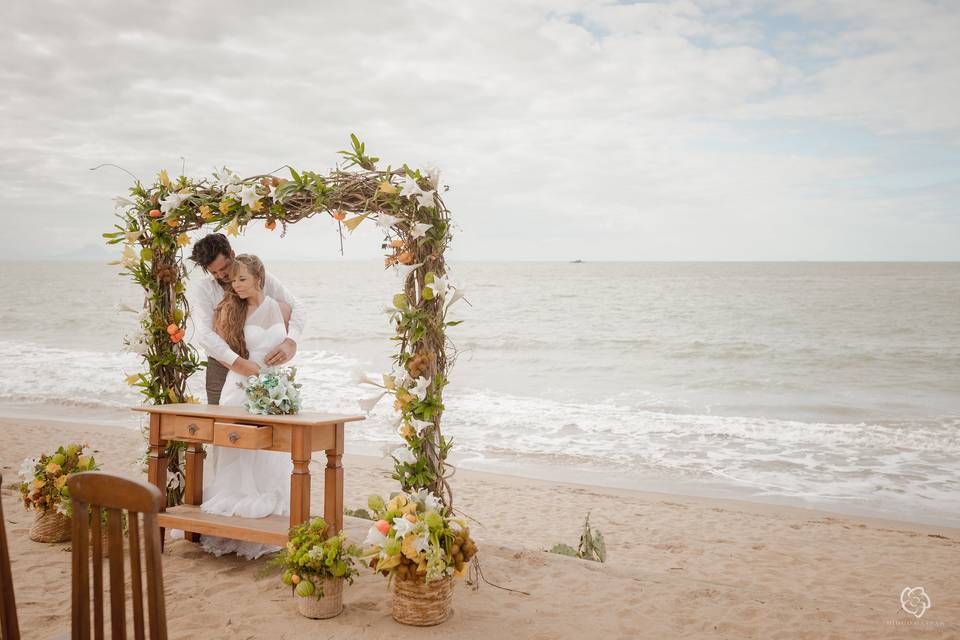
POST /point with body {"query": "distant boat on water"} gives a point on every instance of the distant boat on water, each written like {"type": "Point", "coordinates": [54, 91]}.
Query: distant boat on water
{"type": "Point", "coordinates": [576, 262]}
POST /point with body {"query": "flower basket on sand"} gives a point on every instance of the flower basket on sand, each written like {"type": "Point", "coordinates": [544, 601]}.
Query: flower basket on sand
{"type": "Point", "coordinates": [416, 543]}
{"type": "Point", "coordinates": [43, 487]}
{"type": "Point", "coordinates": [315, 567]}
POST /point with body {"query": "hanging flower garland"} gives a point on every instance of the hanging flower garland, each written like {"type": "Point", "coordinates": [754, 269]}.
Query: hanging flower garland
{"type": "Point", "coordinates": [406, 206]}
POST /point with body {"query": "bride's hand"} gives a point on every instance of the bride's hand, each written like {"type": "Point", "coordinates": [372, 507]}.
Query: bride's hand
{"type": "Point", "coordinates": [283, 353]}
{"type": "Point", "coordinates": [245, 367]}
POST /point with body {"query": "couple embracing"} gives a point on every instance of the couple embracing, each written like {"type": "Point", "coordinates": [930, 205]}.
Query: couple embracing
{"type": "Point", "coordinates": [245, 320]}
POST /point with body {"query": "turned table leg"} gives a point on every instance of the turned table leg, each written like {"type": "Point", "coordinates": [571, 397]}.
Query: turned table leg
{"type": "Point", "coordinates": [157, 464]}
{"type": "Point", "coordinates": [193, 482]}
{"type": "Point", "coordinates": [333, 484]}
{"type": "Point", "coordinates": [300, 450]}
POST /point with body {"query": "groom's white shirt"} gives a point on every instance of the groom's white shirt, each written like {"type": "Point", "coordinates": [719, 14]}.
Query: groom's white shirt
{"type": "Point", "coordinates": [208, 295]}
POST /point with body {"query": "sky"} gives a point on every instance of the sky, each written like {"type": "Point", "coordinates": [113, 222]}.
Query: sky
{"type": "Point", "coordinates": [567, 129]}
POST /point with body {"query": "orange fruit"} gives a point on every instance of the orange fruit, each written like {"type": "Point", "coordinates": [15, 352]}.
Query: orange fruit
{"type": "Point", "coordinates": [156, 213]}
{"type": "Point", "coordinates": [173, 222]}
{"type": "Point", "coordinates": [172, 329]}
{"type": "Point", "coordinates": [405, 258]}
{"type": "Point", "coordinates": [271, 225]}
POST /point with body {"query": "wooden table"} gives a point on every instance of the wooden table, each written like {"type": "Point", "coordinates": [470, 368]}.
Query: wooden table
{"type": "Point", "coordinates": [301, 435]}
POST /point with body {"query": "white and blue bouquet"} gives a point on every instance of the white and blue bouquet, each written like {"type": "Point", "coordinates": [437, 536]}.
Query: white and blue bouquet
{"type": "Point", "coordinates": [273, 392]}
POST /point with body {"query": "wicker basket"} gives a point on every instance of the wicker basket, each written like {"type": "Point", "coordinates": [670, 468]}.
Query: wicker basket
{"type": "Point", "coordinates": [50, 526]}
{"type": "Point", "coordinates": [330, 605]}
{"type": "Point", "coordinates": [422, 604]}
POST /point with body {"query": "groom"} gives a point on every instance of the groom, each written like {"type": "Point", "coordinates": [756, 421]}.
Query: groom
{"type": "Point", "coordinates": [215, 256]}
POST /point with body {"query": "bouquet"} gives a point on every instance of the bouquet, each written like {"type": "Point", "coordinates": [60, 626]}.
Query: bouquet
{"type": "Point", "coordinates": [43, 480]}
{"type": "Point", "coordinates": [273, 392]}
{"type": "Point", "coordinates": [309, 558]}
{"type": "Point", "coordinates": [415, 537]}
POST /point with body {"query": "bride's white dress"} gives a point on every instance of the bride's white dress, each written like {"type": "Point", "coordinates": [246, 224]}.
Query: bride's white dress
{"type": "Point", "coordinates": [240, 482]}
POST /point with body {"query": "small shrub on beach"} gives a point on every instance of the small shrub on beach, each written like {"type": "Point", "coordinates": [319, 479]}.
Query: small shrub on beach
{"type": "Point", "coordinates": [592, 546]}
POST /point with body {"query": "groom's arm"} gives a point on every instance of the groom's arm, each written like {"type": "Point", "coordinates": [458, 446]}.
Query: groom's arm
{"type": "Point", "coordinates": [215, 346]}
{"type": "Point", "coordinates": [288, 348]}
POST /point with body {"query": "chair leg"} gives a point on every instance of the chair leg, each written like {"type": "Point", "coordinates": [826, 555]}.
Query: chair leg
{"type": "Point", "coordinates": [162, 538]}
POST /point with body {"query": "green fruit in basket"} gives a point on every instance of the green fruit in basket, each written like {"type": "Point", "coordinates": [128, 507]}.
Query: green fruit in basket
{"type": "Point", "coordinates": [58, 458]}
{"type": "Point", "coordinates": [375, 503]}
{"type": "Point", "coordinates": [305, 589]}
{"type": "Point", "coordinates": [72, 449]}
{"type": "Point", "coordinates": [287, 577]}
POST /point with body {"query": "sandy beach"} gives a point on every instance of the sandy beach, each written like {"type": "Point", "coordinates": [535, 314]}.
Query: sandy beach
{"type": "Point", "coordinates": [678, 567]}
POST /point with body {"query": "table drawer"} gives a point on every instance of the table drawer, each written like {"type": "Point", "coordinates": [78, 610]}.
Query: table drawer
{"type": "Point", "coordinates": [187, 428]}
{"type": "Point", "coordinates": [242, 436]}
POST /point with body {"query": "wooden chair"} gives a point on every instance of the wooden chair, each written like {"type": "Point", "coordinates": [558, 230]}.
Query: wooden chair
{"type": "Point", "coordinates": [9, 630]}
{"type": "Point", "coordinates": [115, 494]}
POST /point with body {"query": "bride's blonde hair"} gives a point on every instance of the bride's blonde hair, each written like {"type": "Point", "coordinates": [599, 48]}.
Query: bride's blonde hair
{"type": "Point", "coordinates": [231, 314]}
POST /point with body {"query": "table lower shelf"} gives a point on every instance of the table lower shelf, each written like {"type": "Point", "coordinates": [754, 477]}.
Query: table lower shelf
{"type": "Point", "coordinates": [269, 530]}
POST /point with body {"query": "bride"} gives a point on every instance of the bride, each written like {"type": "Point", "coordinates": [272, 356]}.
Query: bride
{"type": "Point", "coordinates": [240, 482]}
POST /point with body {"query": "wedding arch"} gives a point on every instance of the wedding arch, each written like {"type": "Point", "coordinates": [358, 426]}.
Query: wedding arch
{"type": "Point", "coordinates": [404, 203]}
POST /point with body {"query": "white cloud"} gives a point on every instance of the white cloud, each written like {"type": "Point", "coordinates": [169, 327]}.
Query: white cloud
{"type": "Point", "coordinates": [573, 129]}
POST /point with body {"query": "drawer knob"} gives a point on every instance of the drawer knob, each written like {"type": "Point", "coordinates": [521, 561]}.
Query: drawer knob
{"type": "Point", "coordinates": [193, 429]}
{"type": "Point", "coordinates": [234, 436]}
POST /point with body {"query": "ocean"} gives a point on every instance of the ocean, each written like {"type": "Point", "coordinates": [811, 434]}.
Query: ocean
{"type": "Point", "coordinates": [826, 385]}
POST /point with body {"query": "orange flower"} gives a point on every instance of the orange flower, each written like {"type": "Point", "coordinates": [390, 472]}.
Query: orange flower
{"type": "Point", "coordinates": [405, 258]}
{"type": "Point", "coordinates": [389, 261]}
{"type": "Point", "coordinates": [396, 244]}
{"type": "Point", "coordinates": [173, 222]}
{"type": "Point", "coordinates": [271, 225]}
{"type": "Point", "coordinates": [205, 212]}
{"type": "Point", "coordinates": [339, 215]}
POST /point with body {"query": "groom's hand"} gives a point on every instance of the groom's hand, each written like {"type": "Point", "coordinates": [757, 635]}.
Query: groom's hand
{"type": "Point", "coordinates": [283, 353]}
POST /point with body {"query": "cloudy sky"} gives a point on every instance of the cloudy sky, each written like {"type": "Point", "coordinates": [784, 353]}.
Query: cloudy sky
{"type": "Point", "coordinates": [687, 130]}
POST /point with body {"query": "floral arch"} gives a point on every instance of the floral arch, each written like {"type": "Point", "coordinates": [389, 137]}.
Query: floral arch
{"type": "Point", "coordinates": [404, 203]}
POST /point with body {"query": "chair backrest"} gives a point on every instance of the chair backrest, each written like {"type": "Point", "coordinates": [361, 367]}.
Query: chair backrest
{"type": "Point", "coordinates": [9, 630]}
{"type": "Point", "coordinates": [104, 493]}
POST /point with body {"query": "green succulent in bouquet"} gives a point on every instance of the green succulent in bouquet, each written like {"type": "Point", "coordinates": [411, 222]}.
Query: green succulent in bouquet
{"type": "Point", "coordinates": [310, 556]}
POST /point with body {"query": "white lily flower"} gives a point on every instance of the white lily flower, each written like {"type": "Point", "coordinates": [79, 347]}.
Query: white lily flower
{"type": "Point", "coordinates": [367, 404]}
{"type": "Point", "coordinates": [225, 177]}
{"type": "Point", "coordinates": [419, 229]}
{"type": "Point", "coordinates": [433, 175]}
{"type": "Point", "coordinates": [129, 257]}
{"type": "Point", "coordinates": [249, 195]}
{"type": "Point", "coordinates": [403, 526]}
{"type": "Point", "coordinates": [458, 293]}
{"type": "Point", "coordinates": [374, 538]}
{"type": "Point", "coordinates": [26, 469]}
{"type": "Point", "coordinates": [403, 454]}
{"type": "Point", "coordinates": [438, 286]}
{"type": "Point", "coordinates": [425, 199]}
{"type": "Point", "coordinates": [404, 270]}
{"type": "Point", "coordinates": [120, 202]}
{"type": "Point", "coordinates": [410, 188]}
{"type": "Point", "coordinates": [420, 388]}
{"type": "Point", "coordinates": [133, 236]}
{"type": "Point", "coordinates": [362, 377]}
{"type": "Point", "coordinates": [386, 221]}
{"type": "Point", "coordinates": [173, 201]}
{"type": "Point", "coordinates": [420, 425]}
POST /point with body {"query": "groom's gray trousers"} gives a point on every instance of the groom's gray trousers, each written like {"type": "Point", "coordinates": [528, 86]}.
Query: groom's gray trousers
{"type": "Point", "coordinates": [216, 376]}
